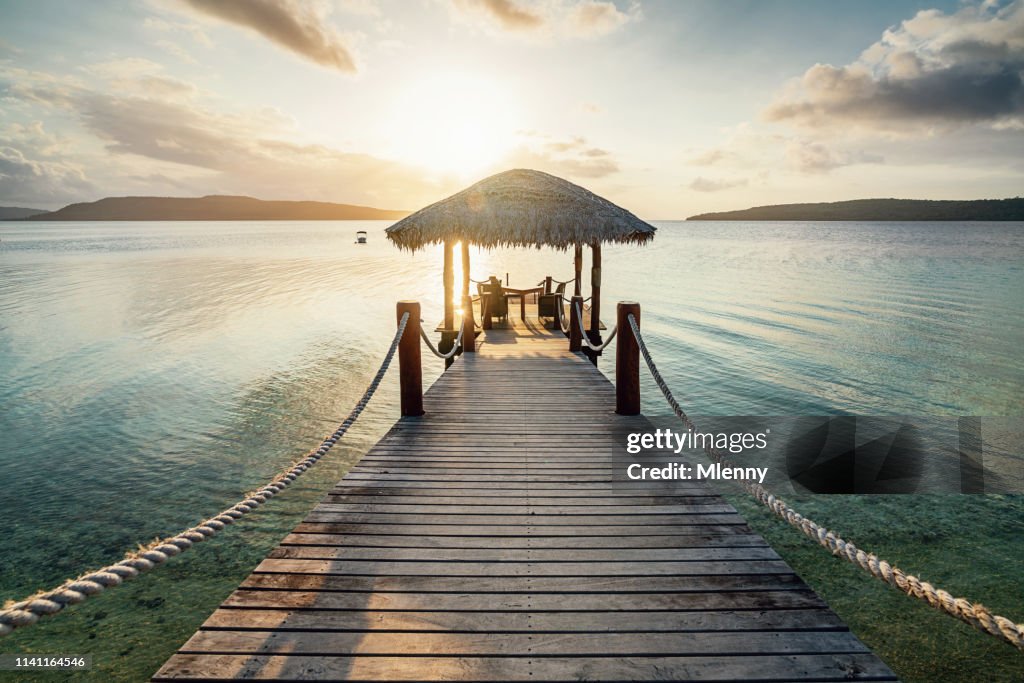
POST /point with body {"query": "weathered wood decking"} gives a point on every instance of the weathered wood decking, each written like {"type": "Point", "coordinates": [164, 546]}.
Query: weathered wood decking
{"type": "Point", "coordinates": [485, 541]}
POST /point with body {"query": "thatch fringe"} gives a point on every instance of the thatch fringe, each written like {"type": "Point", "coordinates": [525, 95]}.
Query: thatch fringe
{"type": "Point", "coordinates": [520, 208]}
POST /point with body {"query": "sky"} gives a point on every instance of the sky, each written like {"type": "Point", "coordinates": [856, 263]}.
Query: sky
{"type": "Point", "coordinates": [668, 108]}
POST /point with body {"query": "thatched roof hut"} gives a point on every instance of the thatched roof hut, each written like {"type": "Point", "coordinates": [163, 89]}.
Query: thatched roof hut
{"type": "Point", "coordinates": [521, 208]}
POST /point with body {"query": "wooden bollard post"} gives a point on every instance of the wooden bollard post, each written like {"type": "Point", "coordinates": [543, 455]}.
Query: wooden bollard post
{"type": "Point", "coordinates": [410, 369]}
{"type": "Point", "coordinates": [547, 284]}
{"type": "Point", "coordinates": [576, 324]}
{"type": "Point", "coordinates": [627, 361]}
{"type": "Point", "coordinates": [468, 328]}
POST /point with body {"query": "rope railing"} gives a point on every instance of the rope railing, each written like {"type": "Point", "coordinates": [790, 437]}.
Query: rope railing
{"type": "Point", "coordinates": [586, 340]}
{"type": "Point", "coordinates": [451, 352]}
{"type": "Point", "coordinates": [560, 311]}
{"type": "Point", "coordinates": [974, 614]}
{"type": "Point", "coordinates": [46, 603]}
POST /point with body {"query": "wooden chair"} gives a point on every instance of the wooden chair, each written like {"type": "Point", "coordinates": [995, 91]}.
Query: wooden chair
{"type": "Point", "coordinates": [546, 303]}
{"type": "Point", "coordinates": [498, 307]}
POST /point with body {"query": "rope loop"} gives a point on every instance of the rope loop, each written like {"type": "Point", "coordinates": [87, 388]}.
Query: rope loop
{"type": "Point", "coordinates": [45, 603]}
{"type": "Point", "coordinates": [560, 312]}
{"type": "Point", "coordinates": [586, 340]}
{"type": "Point", "coordinates": [974, 614]}
{"type": "Point", "coordinates": [456, 347]}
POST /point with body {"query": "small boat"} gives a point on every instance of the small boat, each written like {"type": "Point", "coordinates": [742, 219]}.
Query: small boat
{"type": "Point", "coordinates": [361, 237]}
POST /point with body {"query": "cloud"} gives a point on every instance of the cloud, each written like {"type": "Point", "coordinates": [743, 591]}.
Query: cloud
{"type": "Point", "coordinates": [710, 157]}
{"type": "Point", "coordinates": [33, 135]}
{"type": "Point", "coordinates": [174, 49]}
{"type": "Point", "coordinates": [293, 25]}
{"type": "Point", "coordinates": [592, 18]}
{"type": "Point", "coordinates": [8, 50]}
{"type": "Point", "coordinates": [572, 157]}
{"type": "Point", "coordinates": [565, 145]}
{"type": "Point", "coordinates": [189, 28]}
{"type": "Point", "coordinates": [553, 19]}
{"type": "Point", "coordinates": [505, 13]}
{"type": "Point", "coordinates": [152, 139]}
{"type": "Point", "coordinates": [808, 156]}
{"type": "Point", "coordinates": [242, 151]}
{"type": "Point", "coordinates": [935, 70]}
{"type": "Point", "coordinates": [363, 8]}
{"type": "Point", "coordinates": [38, 182]}
{"type": "Point", "coordinates": [702, 184]}
{"type": "Point", "coordinates": [811, 157]}
{"type": "Point", "coordinates": [128, 67]}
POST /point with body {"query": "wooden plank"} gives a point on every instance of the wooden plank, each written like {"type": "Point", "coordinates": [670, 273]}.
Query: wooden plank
{"type": "Point", "coordinates": [424, 568]}
{"type": "Point", "coordinates": [487, 643]}
{"type": "Point", "coordinates": [816, 667]}
{"type": "Point", "coordinates": [702, 506]}
{"type": "Point", "coordinates": [525, 584]}
{"type": "Point", "coordinates": [506, 555]}
{"type": "Point", "coordinates": [529, 602]}
{"type": "Point", "coordinates": [621, 621]}
{"type": "Point", "coordinates": [694, 524]}
{"type": "Point", "coordinates": [602, 488]}
{"type": "Point", "coordinates": [575, 541]}
{"type": "Point", "coordinates": [534, 520]}
{"type": "Point", "coordinates": [519, 501]}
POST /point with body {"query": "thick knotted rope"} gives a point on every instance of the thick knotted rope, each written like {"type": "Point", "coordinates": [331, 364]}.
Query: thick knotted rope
{"type": "Point", "coordinates": [586, 340]}
{"type": "Point", "coordinates": [28, 611]}
{"type": "Point", "coordinates": [451, 352]}
{"type": "Point", "coordinates": [974, 614]}
{"type": "Point", "coordinates": [562, 324]}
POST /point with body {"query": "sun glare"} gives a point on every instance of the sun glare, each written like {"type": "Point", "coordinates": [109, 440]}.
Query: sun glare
{"type": "Point", "coordinates": [453, 122]}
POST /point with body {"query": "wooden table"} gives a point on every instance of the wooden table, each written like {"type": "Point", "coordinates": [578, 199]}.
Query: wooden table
{"type": "Point", "coordinates": [511, 293]}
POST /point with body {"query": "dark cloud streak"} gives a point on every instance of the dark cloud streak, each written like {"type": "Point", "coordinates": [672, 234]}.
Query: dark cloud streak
{"type": "Point", "coordinates": [291, 25]}
{"type": "Point", "coordinates": [508, 14]}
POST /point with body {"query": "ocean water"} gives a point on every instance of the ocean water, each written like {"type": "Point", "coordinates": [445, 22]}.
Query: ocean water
{"type": "Point", "coordinates": [151, 373]}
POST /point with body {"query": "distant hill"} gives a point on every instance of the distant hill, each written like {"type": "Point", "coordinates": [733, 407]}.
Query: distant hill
{"type": "Point", "coordinates": [880, 210]}
{"type": "Point", "coordinates": [212, 208]}
{"type": "Point", "coordinates": [11, 213]}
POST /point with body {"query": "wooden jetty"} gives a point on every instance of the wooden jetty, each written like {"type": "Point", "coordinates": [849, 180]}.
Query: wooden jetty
{"type": "Point", "coordinates": [486, 541]}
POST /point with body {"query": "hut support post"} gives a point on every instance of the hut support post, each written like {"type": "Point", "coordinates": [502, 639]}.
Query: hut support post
{"type": "Point", "coordinates": [627, 361]}
{"type": "Point", "coordinates": [449, 288]}
{"type": "Point", "coordinates": [468, 328]}
{"type": "Point", "coordinates": [595, 298]}
{"type": "Point", "coordinates": [576, 324]}
{"type": "Point", "coordinates": [465, 269]}
{"type": "Point", "coordinates": [410, 369]}
{"type": "Point", "coordinates": [485, 310]}
{"type": "Point", "coordinates": [578, 270]}
{"type": "Point", "coordinates": [448, 333]}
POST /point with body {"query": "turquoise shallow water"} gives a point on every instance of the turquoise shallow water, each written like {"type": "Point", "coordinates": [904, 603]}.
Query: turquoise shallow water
{"type": "Point", "coordinates": [152, 372]}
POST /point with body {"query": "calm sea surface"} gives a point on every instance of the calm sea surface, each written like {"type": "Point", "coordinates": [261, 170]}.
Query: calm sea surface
{"type": "Point", "coordinates": [150, 373]}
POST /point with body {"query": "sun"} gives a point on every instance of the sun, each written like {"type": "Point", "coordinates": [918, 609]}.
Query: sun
{"type": "Point", "coordinates": [452, 122]}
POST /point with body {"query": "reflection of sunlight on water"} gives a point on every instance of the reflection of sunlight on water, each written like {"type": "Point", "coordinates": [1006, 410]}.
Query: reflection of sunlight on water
{"type": "Point", "coordinates": [139, 357]}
